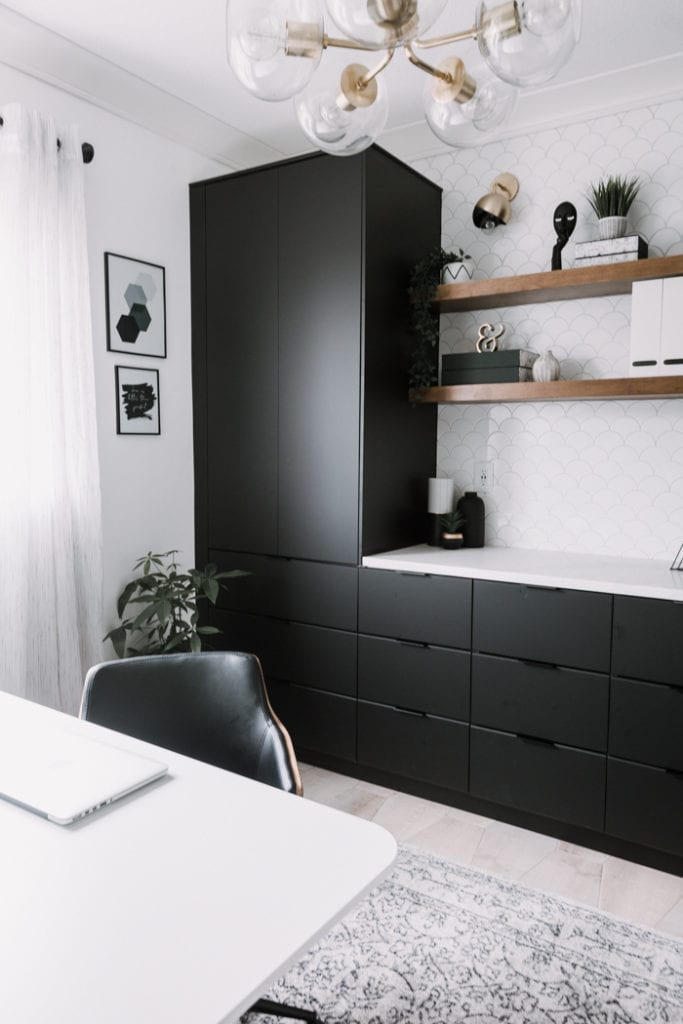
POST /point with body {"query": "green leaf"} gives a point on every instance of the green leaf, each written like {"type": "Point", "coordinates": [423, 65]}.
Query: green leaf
{"type": "Point", "coordinates": [207, 630]}
{"type": "Point", "coordinates": [211, 589]}
{"type": "Point", "coordinates": [195, 644]}
{"type": "Point", "coordinates": [118, 640]}
{"type": "Point", "coordinates": [125, 596]}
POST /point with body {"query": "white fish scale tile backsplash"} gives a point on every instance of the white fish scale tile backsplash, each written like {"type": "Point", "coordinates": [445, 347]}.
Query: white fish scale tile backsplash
{"type": "Point", "coordinates": [592, 477]}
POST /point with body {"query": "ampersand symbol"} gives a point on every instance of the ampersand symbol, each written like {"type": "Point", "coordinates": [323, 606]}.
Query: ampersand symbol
{"type": "Point", "coordinates": [488, 337]}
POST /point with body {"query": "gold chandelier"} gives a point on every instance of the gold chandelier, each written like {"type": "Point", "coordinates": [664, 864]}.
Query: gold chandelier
{"type": "Point", "coordinates": [275, 46]}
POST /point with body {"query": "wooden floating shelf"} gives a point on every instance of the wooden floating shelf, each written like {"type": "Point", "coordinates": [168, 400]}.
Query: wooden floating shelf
{"type": "Point", "coordinates": [554, 285]}
{"type": "Point", "coordinates": [554, 391]}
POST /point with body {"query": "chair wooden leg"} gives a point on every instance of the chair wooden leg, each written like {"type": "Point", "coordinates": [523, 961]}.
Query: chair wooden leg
{"type": "Point", "coordinates": [283, 1010]}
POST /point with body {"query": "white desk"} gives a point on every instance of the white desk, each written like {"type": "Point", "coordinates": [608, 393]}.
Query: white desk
{"type": "Point", "coordinates": [179, 904]}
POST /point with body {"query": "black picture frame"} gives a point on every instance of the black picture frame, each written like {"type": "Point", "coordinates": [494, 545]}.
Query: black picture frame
{"type": "Point", "coordinates": [135, 304]}
{"type": "Point", "coordinates": [135, 387]}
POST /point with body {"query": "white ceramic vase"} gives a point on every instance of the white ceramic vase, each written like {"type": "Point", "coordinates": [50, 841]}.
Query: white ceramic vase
{"type": "Point", "coordinates": [612, 227]}
{"type": "Point", "coordinates": [546, 368]}
{"type": "Point", "coordinates": [451, 273]}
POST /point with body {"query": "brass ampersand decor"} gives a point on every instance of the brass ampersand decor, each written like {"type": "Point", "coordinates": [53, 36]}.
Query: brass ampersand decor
{"type": "Point", "coordinates": [488, 337]}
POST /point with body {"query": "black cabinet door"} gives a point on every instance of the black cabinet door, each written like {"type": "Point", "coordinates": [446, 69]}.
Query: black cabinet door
{"type": "Point", "coordinates": [645, 805]}
{"type": "Point", "coordinates": [648, 640]}
{"type": "Point", "coordinates": [415, 677]}
{"type": "Point", "coordinates": [646, 723]}
{"type": "Point", "coordinates": [241, 362]}
{"type": "Point", "coordinates": [319, 281]}
{"type": "Point", "coordinates": [420, 747]}
{"type": "Point", "coordinates": [561, 627]}
{"type": "Point", "coordinates": [551, 703]}
{"type": "Point", "coordinates": [542, 778]}
{"type": "Point", "coordinates": [410, 606]}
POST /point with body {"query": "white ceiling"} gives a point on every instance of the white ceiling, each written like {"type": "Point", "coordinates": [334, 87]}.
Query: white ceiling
{"type": "Point", "coordinates": [163, 65]}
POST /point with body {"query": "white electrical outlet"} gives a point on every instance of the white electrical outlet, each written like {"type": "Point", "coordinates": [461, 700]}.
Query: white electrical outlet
{"type": "Point", "coordinates": [483, 477]}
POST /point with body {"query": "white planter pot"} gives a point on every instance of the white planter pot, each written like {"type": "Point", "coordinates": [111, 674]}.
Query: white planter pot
{"type": "Point", "coordinates": [453, 272]}
{"type": "Point", "coordinates": [612, 227]}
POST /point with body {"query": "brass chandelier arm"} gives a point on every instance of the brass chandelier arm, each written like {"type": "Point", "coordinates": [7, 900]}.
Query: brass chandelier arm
{"type": "Point", "coordinates": [347, 44]}
{"type": "Point", "coordinates": [456, 37]}
{"type": "Point", "coordinates": [374, 72]}
{"type": "Point", "coordinates": [424, 66]}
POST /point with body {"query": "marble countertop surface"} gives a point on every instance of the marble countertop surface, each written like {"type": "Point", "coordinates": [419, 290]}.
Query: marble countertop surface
{"type": "Point", "coordinates": [635, 577]}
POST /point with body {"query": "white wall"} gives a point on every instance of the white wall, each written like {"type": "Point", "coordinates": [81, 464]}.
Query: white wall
{"type": "Point", "coordinates": [137, 205]}
{"type": "Point", "coordinates": [595, 477]}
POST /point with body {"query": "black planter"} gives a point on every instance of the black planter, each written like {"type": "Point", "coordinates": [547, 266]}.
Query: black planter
{"type": "Point", "coordinates": [472, 507]}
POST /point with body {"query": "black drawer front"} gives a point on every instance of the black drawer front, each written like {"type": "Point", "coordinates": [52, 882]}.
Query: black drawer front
{"type": "Point", "coordinates": [315, 592]}
{"type": "Point", "coordinates": [429, 609]}
{"type": "Point", "coordinates": [559, 704]}
{"type": "Point", "coordinates": [645, 805]}
{"type": "Point", "coordinates": [562, 627]}
{"type": "Point", "coordinates": [646, 723]}
{"type": "Point", "coordinates": [556, 782]}
{"type": "Point", "coordinates": [434, 680]}
{"type": "Point", "coordinates": [322, 722]}
{"type": "Point", "coordinates": [416, 746]}
{"type": "Point", "coordinates": [292, 652]}
{"type": "Point", "coordinates": [648, 640]}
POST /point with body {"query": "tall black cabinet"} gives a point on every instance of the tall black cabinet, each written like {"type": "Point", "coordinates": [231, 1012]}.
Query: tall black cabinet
{"type": "Point", "coordinates": [308, 454]}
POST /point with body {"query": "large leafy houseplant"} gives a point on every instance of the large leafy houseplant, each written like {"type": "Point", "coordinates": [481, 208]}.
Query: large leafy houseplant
{"type": "Point", "coordinates": [425, 276]}
{"type": "Point", "coordinates": [159, 608]}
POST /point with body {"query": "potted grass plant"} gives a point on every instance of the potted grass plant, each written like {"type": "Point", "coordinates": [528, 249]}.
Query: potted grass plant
{"type": "Point", "coordinates": [611, 199]}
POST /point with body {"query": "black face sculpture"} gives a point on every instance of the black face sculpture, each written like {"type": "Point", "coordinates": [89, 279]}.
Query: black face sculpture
{"type": "Point", "coordinates": [564, 220]}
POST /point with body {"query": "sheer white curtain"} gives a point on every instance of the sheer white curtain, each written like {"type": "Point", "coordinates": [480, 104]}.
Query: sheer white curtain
{"type": "Point", "coordinates": [50, 514]}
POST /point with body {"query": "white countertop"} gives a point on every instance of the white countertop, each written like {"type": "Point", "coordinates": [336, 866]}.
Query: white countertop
{"type": "Point", "coordinates": [636, 577]}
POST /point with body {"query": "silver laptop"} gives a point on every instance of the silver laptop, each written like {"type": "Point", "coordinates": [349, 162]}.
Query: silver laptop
{"type": "Point", "coordinates": [64, 777]}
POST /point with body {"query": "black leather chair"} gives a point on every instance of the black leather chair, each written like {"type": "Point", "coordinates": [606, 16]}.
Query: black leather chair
{"type": "Point", "coordinates": [213, 707]}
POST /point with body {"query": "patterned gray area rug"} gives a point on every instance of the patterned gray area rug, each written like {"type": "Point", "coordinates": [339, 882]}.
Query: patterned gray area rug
{"type": "Point", "coordinates": [437, 943]}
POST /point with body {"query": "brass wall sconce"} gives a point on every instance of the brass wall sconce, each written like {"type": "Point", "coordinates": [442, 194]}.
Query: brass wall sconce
{"type": "Point", "coordinates": [494, 208]}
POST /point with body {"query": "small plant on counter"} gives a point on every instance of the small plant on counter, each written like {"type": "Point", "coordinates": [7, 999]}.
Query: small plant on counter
{"type": "Point", "coordinates": [613, 197]}
{"type": "Point", "coordinates": [452, 522]}
{"type": "Point", "coordinates": [425, 278]}
{"type": "Point", "coordinates": [159, 608]}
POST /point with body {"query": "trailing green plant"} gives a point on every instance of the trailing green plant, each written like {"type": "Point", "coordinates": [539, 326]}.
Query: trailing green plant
{"type": "Point", "coordinates": [452, 522]}
{"type": "Point", "coordinates": [159, 608]}
{"type": "Point", "coordinates": [613, 197]}
{"type": "Point", "coordinates": [425, 276]}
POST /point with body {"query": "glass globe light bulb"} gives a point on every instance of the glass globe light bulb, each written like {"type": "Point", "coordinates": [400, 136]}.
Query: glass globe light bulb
{"type": "Point", "coordinates": [491, 103]}
{"type": "Point", "coordinates": [384, 23]}
{"type": "Point", "coordinates": [334, 129]}
{"type": "Point", "coordinates": [526, 42]}
{"type": "Point", "coordinates": [261, 36]}
{"type": "Point", "coordinates": [274, 46]}
{"type": "Point", "coordinates": [543, 17]}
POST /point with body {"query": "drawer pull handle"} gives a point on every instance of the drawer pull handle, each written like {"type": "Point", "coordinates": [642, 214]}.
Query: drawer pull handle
{"type": "Point", "coordinates": [424, 575]}
{"type": "Point", "coordinates": [535, 739]}
{"type": "Point", "coordinates": [539, 664]}
{"type": "Point", "coordinates": [677, 773]}
{"type": "Point", "coordinates": [410, 711]}
{"type": "Point", "coordinates": [412, 643]}
{"type": "Point", "coordinates": [539, 586]}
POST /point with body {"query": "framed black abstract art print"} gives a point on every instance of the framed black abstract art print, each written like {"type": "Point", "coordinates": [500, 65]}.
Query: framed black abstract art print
{"type": "Point", "coordinates": [136, 306]}
{"type": "Point", "coordinates": [137, 400]}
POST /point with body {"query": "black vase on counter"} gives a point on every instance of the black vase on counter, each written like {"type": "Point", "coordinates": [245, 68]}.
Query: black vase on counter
{"type": "Point", "coordinates": [472, 508]}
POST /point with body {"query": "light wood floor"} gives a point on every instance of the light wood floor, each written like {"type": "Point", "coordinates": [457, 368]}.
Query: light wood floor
{"type": "Point", "coordinates": [646, 897]}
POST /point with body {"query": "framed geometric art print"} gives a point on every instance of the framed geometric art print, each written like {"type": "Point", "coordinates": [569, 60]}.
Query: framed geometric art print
{"type": "Point", "coordinates": [136, 306]}
{"type": "Point", "coordinates": [137, 400]}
